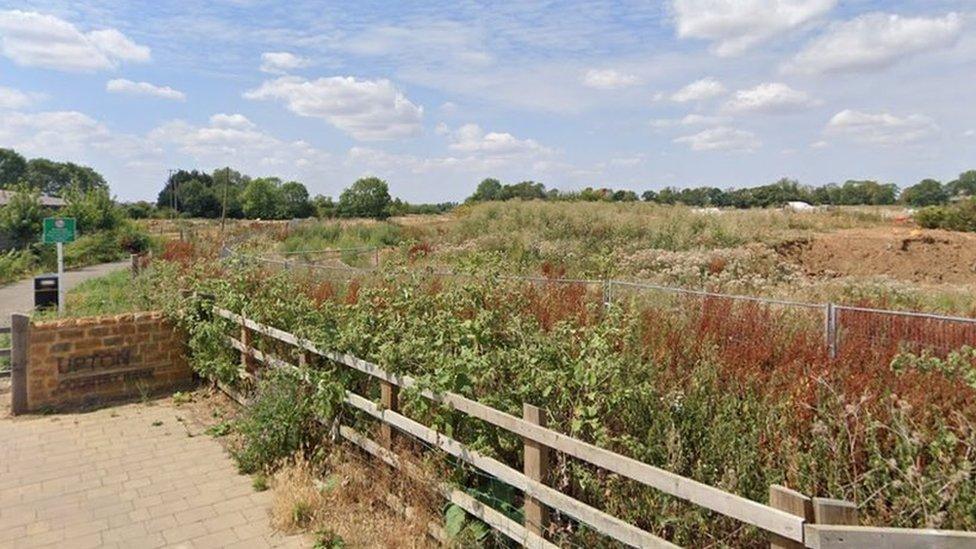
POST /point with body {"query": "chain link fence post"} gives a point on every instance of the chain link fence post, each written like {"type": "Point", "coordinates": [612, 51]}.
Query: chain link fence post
{"type": "Point", "coordinates": [830, 329]}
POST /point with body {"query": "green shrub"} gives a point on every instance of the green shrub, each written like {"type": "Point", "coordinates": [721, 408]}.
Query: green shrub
{"type": "Point", "coordinates": [279, 422]}
{"type": "Point", "coordinates": [16, 264]}
{"type": "Point", "coordinates": [960, 216]}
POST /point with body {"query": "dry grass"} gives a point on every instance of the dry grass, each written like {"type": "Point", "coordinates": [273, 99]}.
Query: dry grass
{"type": "Point", "coordinates": [347, 499]}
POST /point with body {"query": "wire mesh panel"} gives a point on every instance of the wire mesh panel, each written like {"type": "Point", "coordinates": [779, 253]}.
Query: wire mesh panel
{"type": "Point", "coordinates": [889, 332]}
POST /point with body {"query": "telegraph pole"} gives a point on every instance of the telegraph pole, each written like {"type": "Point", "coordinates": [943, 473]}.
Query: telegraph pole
{"type": "Point", "coordinates": [223, 208]}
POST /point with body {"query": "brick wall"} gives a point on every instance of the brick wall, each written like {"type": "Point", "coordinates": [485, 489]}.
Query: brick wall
{"type": "Point", "coordinates": [82, 361]}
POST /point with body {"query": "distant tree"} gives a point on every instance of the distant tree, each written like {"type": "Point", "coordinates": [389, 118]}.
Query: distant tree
{"type": "Point", "coordinates": [927, 192]}
{"type": "Point", "coordinates": [649, 196]}
{"type": "Point", "coordinates": [93, 209]}
{"type": "Point", "coordinates": [55, 178]}
{"type": "Point", "coordinates": [197, 199]}
{"type": "Point", "coordinates": [139, 210]}
{"type": "Point", "coordinates": [367, 197]}
{"type": "Point", "coordinates": [488, 189]}
{"type": "Point", "coordinates": [21, 218]}
{"type": "Point", "coordinates": [176, 180]}
{"type": "Point", "coordinates": [294, 200]}
{"type": "Point", "coordinates": [228, 185]}
{"type": "Point", "coordinates": [964, 185]}
{"type": "Point", "coordinates": [12, 168]}
{"type": "Point", "coordinates": [624, 196]}
{"type": "Point", "coordinates": [324, 206]}
{"type": "Point", "coordinates": [261, 199]}
{"type": "Point", "coordinates": [525, 190]}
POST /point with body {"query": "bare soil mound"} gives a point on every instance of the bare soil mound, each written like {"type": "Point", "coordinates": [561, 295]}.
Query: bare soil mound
{"type": "Point", "coordinates": [916, 255]}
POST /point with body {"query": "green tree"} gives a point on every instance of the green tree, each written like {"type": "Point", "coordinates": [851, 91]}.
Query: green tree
{"type": "Point", "coordinates": [21, 218]}
{"type": "Point", "coordinates": [324, 206]}
{"type": "Point", "coordinates": [294, 200]}
{"type": "Point", "coordinates": [367, 197]}
{"type": "Point", "coordinates": [927, 192]}
{"type": "Point", "coordinates": [488, 189]}
{"type": "Point", "coordinates": [964, 185]}
{"type": "Point", "coordinates": [261, 198]}
{"type": "Point", "coordinates": [55, 178]}
{"type": "Point", "coordinates": [198, 200]}
{"type": "Point", "coordinates": [93, 209]}
{"type": "Point", "coordinates": [12, 167]}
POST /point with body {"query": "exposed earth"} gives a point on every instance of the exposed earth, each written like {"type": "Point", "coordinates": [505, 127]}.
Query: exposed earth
{"type": "Point", "coordinates": [901, 253]}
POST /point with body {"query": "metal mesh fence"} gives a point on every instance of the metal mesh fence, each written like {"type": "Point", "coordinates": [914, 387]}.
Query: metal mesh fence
{"type": "Point", "coordinates": [836, 328]}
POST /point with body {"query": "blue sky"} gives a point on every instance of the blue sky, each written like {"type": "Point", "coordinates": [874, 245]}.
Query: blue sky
{"type": "Point", "coordinates": [433, 96]}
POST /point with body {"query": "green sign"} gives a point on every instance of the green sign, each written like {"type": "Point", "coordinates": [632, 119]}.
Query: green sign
{"type": "Point", "coordinates": [59, 229]}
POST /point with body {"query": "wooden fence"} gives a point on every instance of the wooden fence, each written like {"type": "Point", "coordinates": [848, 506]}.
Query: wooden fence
{"type": "Point", "coordinates": [791, 519]}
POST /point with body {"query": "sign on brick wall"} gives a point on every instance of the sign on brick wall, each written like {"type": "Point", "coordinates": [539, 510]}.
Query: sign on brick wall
{"type": "Point", "coordinates": [81, 361]}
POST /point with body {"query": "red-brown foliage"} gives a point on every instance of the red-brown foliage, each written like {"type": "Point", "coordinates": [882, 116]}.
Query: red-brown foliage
{"type": "Point", "coordinates": [179, 251]}
{"type": "Point", "coordinates": [420, 250]}
{"type": "Point", "coordinates": [553, 302]}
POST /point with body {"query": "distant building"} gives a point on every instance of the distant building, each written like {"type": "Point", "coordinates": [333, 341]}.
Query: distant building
{"type": "Point", "coordinates": [46, 200]}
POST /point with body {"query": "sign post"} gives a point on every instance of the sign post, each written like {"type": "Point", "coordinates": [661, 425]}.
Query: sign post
{"type": "Point", "coordinates": [58, 230]}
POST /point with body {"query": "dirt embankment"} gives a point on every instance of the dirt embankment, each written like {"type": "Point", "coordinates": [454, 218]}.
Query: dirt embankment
{"type": "Point", "coordinates": [924, 256]}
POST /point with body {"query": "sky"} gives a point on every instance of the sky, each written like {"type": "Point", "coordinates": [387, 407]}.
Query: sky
{"type": "Point", "coordinates": [435, 96]}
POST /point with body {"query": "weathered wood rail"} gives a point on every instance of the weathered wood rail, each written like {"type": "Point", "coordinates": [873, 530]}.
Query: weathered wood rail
{"type": "Point", "coordinates": [791, 519]}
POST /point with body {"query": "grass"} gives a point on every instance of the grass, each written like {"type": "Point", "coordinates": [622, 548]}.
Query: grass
{"type": "Point", "coordinates": [114, 293]}
{"type": "Point", "coordinates": [4, 344]}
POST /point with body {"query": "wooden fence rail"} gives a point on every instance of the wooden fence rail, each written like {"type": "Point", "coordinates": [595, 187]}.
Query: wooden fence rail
{"type": "Point", "coordinates": [789, 519]}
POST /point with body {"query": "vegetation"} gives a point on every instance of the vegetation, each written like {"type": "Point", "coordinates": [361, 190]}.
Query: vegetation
{"type": "Point", "coordinates": [46, 176]}
{"type": "Point", "coordinates": [850, 193]}
{"type": "Point", "coordinates": [958, 216]}
{"type": "Point", "coordinates": [670, 387]}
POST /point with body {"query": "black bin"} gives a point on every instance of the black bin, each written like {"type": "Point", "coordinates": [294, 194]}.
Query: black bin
{"type": "Point", "coordinates": [45, 291]}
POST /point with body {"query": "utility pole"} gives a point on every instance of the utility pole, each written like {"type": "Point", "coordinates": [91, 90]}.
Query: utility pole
{"type": "Point", "coordinates": [223, 208]}
{"type": "Point", "coordinates": [172, 192]}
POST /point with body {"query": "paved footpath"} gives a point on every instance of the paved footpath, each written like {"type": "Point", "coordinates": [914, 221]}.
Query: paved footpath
{"type": "Point", "coordinates": [124, 476]}
{"type": "Point", "coordinates": [18, 297]}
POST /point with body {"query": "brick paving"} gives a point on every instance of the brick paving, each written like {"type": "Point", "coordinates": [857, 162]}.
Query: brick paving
{"type": "Point", "coordinates": [124, 476]}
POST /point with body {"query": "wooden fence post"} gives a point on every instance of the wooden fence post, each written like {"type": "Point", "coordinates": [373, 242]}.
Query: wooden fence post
{"type": "Point", "coordinates": [19, 341]}
{"type": "Point", "coordinates": [390, 399]}
{"type": "Point", "coordinates": [134, 264]}
{"type": "Point", "coordinates": [536, 467]}
{"type": "Point", "coordinates": [835, 511]}
{"type": "Point", "coordinates": [247, 361]}
{"type": "Point", "coordinates": [794, 503]}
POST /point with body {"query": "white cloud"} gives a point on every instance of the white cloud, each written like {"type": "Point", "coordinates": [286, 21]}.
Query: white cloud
{"type": "Point", "coordinates": [281, 62]}
{"type": "Point", "coordinates": [232, 139]}
{"type": "Point", "coordinates": [819, 144]}
{"type": "Point", "coordinates": [231, 121]}
{"type": "Point", "coordinates": [737, 25]}
{"type": "Point", "coordinates": [875, 40]}
{"type": "Point", "coordinates": [366, 109]}
{"type": "Point", "coordinates": [470, 138]}
{"type": "Point", "coordinates": [11, 98]}
{"type": "Point", "coordinates": [608, 79]}
{"type": "Point", "coordinates": [969, 133]}
{"type": "Point", "coordinates": [38, 40]}
{"type": "Point", "coordinates": [692, 119]}
{"type": "Point", "coordinates": [67, 135]}
{"type": "Point", "coordinates": [722, 138]}
{"type": "Point", "coordinates": [770, 97]}
{"type": "Point", "coordinates": [699, 90]}
{"type": "Point", "coordinates": [122, 85]}
{"type": "Point", "coordinates": [881, 128]}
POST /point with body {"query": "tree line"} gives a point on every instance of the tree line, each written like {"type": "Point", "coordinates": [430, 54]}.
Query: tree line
{"type": "Point", "coordinates": [927, 192]}
{"type": "Point", "coordinates": [228, 193]}
{"type": "Point", "coordinates": [46, 176]}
